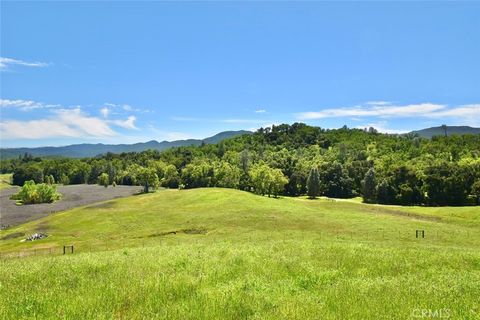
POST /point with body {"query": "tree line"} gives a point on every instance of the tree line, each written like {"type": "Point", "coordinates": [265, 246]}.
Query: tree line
{"type": "Point", "coordinates": [290, 160]}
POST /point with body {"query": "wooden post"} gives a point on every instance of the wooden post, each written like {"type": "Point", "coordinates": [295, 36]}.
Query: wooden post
{"type": "Point", "coordinates": [65, 249]}
{"type": "Point", "coordinates": [420, 232]}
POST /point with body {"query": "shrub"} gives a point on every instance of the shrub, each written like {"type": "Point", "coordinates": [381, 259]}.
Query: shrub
{"type": "Point", "coordinates": [103, 180]}
{"type": "Point", "coordinates": [36, 193]}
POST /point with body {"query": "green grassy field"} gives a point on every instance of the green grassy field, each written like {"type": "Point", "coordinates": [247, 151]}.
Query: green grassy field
{"type": "Point", "coordinates": [227, 254]}
{"type": "Point", "coordinates": [5, 180]}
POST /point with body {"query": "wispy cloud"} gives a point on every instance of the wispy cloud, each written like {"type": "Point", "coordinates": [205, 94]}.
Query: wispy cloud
{"type": "Point", "coordinates": [161, 135]}
{"type": "Point", "coordinates": [64, 123]}
{"type": "Point", "coordinates": [382, 126]}
{"type": "Point", "coordinates": [412, 110]}
{"type": "Point", "coordinates": [60, 122]}
{"type": "Point", "coordinates": [127, 124]}
{"type": "Point", "coordinates": [381, 109]}
{"type": "Point", "coordinates": [260, 111]}
{"type": "Point", "coordinates": [105, 111]}
{"type": "Point", "coordinates": [25, 105]}
{"type": "Point", "coordinates": [7, 62]}
{"type": "Point", "coordinates": [379, 103]}
{"type": "Point", "coordinates": [126, 107]}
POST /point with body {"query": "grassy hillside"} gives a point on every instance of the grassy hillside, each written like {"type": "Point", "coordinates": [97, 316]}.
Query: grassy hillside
{"type": "Point", "coordinates": [227, 254]}
{"type": "Point", "coordinates": [5, 180]}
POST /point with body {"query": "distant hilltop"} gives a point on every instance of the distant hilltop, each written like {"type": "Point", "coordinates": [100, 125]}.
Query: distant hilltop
{"type": "Point", "coordinates": [448, 130]}
{"type": "Point", "coordinates": [91, 150]}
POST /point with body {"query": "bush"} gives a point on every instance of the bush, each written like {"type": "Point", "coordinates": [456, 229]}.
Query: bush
{"type": "Point", "coordinates": [36, 193]}
{"type": "Point", "coordinates": [103, 179]}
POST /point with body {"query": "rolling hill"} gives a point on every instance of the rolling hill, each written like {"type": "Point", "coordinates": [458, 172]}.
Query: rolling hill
{"type": "Point", "coordinates": [91, 150]}
{"type": "Point", "coordinates": [451, 130]}
{"type": "Point", "coordinates": [228, 254]}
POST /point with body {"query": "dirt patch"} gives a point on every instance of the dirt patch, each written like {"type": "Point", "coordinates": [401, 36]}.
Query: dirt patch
{"type": "Point", "coordinates": [160, 234]}
{"type": "Point", "coordinates": [13, 236]}
{"type": "Point", "coordinates": [394, 212]}
{"type": "Point", "coordinates": [195, 231]}
{"type": "Point", "coordinates": [72, 196]}
{"type": "Point", "coordinates": [185, 231]}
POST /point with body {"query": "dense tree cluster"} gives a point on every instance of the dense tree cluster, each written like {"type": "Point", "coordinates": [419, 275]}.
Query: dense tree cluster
{"type": "Point", "coordinates": [278, 160]}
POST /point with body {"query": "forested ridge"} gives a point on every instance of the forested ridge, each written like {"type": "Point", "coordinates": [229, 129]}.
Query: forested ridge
{"type": "Point", "coordinates": [387, 169]}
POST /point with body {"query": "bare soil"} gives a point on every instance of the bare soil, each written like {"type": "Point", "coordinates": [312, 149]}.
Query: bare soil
{"type": "Point", "coordinates": [72, 196]}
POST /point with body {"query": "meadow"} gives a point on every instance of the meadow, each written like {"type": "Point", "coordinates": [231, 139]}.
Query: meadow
{"type": "Point", "coordinates": [217, 253]}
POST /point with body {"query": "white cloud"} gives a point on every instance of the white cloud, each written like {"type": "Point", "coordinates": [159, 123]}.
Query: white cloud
{"type": "Point", "coordinates": [381, 126]}
{"type": "Point", "coordinates": [105, 111]}
{"type": "Point", "coordinates": [379, 103]}
{"type": "Point", "coordinates": [469, 110]}
{"type": "Point", "coordinates": [260, 111]}
{"type": "Point", "coordinates": [412, 110]}
{"type": "Point", "coordinates": [70, 123]}
{"type": "Point", "coordinates": [126, 107]}
{"type": "Point", "coordinates": [25, 105]}
{"type": "Point", "coordinates": [466, 114]}
{"type": "Point", "coordinates": [6, 62]}
{"type": "Point", "coordinates": [127, 124]}
{"type": "Point", "coordinates": [161, 135]}
{"type": "Point", "coordinates": [64, 123]}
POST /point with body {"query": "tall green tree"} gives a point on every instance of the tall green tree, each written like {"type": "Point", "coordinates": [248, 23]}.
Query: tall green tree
{"type": "Point", "coordinates": [476, 191]}
{"type": "Point", "coordinates": [313, 183]}
{"type": "Point", "coordinates": [369, 185]}
{"type": "Point", "coordinates": [335, 182]}
{"type": "Point", "coordinates": [148, 178]}
{"type": "Point", "coordinates": [267, 180]}
{"type": "Point", "coordinates": [171, 178]}
{"type": "Point", "coordinates": [226, 175]}
{"type": "Point", "coordinates": [277, 182]}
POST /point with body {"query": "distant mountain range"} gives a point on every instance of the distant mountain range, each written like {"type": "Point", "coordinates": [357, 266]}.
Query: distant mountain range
{"type": "Point", "coordinates": [439, 131]}
{"type": "Point", "coordinates": [91, 150]}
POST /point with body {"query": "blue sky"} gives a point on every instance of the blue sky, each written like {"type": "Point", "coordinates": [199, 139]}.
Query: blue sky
{"type": "Point", "coordinates": [123, 72]}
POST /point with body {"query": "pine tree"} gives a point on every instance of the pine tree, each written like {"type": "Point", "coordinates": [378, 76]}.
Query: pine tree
{"type": "Point", "coordinates": [369, 184]}
{"type": "Point", "coordinates": [313, 183]}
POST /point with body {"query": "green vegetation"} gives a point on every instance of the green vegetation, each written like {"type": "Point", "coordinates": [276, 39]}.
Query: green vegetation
{"type": "Point", "coordinates": [369, 186]}
{"type": "Point", "coordinates": [227, 254]}
{"type": "Point", "coordinates": [266, 180]}
{"type": "Point", "coordinates": [313, 183]}
{"type": "Point", "coordinates": [103, 180]}
{"type": "Point", "coordinates": [5, 180]}
{"type": "Point", "coordinates": [31, 193]}
{"type": "Point", "coordinates": [406, 169]}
